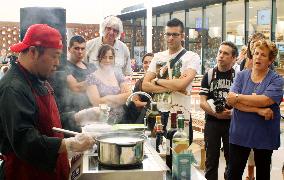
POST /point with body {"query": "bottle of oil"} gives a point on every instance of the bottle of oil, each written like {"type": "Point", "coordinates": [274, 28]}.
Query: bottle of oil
{"type": "Point", "coordinates": [180, 140]}
{"type": "Point", "coordinates": [159, 132]}
{"type": "Point", "coordinates": [182, 156]}
{"type": "Point", "coordinates": [151, 118]}
{"type": "Point", "coordinates": [169, 136]}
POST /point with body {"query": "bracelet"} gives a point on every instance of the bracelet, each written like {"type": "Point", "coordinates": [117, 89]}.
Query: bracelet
{"type": "Point", "coordinates": [237, 99]}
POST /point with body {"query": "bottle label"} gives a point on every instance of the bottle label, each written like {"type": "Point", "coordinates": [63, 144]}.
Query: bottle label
{"type": "Point", "coordinates": [159, 127]}
{"type": "Point", "coordinates": [168, 143]}
{"type": "Point", "coordinates": [180, 145]}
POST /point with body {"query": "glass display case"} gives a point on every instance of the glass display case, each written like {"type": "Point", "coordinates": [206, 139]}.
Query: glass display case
{"type": "Point", "coordinates": [212, 35]}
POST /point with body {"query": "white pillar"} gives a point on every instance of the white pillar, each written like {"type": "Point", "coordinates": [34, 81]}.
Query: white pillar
{"type": "Point", "coordinates": [148, 5]}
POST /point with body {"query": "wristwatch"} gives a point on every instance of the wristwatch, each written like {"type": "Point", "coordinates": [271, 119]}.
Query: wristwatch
{"type": "Point", "coordinates": [156, 81]}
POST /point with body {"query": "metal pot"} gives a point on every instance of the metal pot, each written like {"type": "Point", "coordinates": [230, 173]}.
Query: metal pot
{"type": "Point", "coordinates": [121, 148]}
{"type": "Point", "coordinates": [117, 149]}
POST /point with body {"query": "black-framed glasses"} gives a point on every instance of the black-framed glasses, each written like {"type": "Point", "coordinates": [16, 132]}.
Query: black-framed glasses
{"type": "Point", "coordinates": [172, 34]}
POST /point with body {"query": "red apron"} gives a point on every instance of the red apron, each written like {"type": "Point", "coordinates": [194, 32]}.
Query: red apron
{"type": "Point", "coordinates": [48, 117]}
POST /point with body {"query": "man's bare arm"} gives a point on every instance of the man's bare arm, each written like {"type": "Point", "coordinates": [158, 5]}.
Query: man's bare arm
{"type": "Point", "coordinates": [147, 86]}
{"type": "Point", "coordinates": [205, 105]}
{"type": "Point", "coordinates": [178, 84]}
{"type": "Point", "coordinates": [74, 85]}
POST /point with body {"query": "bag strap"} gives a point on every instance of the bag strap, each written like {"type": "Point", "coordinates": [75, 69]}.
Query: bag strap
{"type": "Point", "coordinates": [172, 63]}
{"type": "Point", "coordinates": [210, 75]}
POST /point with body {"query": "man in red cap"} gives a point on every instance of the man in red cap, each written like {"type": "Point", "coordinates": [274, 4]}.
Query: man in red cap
{"type": "Point", "coordinates": [29, 147]}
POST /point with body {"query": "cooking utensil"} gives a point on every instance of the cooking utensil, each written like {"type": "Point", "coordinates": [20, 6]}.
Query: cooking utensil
{"type": "Point", "coordinates": [121, 148]}
{"type": "Point", "coordinates": [117, 149]}
{"type": "Point", "coordinates": [65, 131]}
{"type": "Point", "coordinates": [129, 127]}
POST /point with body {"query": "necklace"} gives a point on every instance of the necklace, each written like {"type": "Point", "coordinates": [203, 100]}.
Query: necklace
{"type": "Point", "coordinates": [257, 80]}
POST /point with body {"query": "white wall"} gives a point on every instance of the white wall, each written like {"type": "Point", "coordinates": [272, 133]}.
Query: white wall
{"type": "Point", "coordinates": [77, 11]}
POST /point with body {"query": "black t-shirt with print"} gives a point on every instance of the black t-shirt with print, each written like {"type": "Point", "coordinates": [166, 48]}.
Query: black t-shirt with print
{"type": "Point", "coordinates": [219, 86]}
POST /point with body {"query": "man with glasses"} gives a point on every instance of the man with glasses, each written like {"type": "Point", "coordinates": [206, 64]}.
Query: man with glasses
{"type": "Point", "coordinates": [171, 72]}
{"type": "Point", "coordinates": [112, 28]}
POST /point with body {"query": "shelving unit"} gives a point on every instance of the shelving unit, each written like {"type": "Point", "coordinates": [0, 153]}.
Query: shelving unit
{"type": "Point", "coordinates": [158, 43]}
{"type": "Point", "coordinates": [128, 30]}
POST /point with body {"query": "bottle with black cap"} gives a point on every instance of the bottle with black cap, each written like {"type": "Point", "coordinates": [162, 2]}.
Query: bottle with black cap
{"type": "Point", "coordinates": [169, 138]}
{"type": "Point", "coordinates": [151, 118]}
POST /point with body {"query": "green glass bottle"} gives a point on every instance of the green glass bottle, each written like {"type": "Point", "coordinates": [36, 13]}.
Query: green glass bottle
{"type": "Point", "coordinates": [180, 140]}
{"type": "Point", "coordinates": [151, 118]}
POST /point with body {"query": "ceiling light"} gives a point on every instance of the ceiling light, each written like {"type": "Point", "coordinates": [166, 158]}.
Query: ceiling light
{"type": "Point", "coordinates": [250, 7]}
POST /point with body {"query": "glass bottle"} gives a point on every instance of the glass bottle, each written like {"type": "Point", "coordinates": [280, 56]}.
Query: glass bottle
{"type": "Point", "coordinates": [180, 139]}
{"type": "Point", "coordinates": [151, 118]}
{"type": "Point", "coordinates": [159, 132]}
{"type": "Point", "coordinates": [169, 137]}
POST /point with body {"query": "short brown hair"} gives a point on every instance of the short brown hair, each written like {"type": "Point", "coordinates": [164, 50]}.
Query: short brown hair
{"type": "Point", "coordinates": [234, 48]}
{"type": "Point", "coordinates": [273, 51]}
{"type": "Point", "coordinates": [148, 54]}
{"type": "Point", "coordinates": [103, 50]}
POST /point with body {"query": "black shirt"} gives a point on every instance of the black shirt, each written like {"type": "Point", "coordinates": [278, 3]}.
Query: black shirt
{"type": "Point", "coordinates": [76, 101]}
{"type": "Point", "coordinates": [18, 115]}
{"type": "Point", "coordinates": [78, 73]}
{"type": "Point", "coordinates": [219, 87]}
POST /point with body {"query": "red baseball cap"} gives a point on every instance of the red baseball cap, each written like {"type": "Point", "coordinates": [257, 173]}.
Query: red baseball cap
{"type": "Point", "coordinates": [39, 35]}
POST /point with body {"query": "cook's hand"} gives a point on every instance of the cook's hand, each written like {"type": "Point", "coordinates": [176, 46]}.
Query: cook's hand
{"type": "Point", "coordinates": [81, 142]}
{"type": "Point", "coordinates": [87, 115]}
{"type": "Point", "coordinates": [231, 98]}
{"type": "Point", "coordinates": [266, 112]}
{"type": "Point", "coordinates": [226, 114]}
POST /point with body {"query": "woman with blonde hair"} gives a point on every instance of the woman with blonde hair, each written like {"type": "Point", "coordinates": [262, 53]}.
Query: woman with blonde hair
{"type": "Point", "coordinates": [255, 97]}
{"type": "Point", "coordinates": [247, 64]}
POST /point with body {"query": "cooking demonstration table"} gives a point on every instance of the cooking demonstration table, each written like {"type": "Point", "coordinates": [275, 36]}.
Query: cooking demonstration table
{"type": "Point", "coordinates": [152, 168]}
